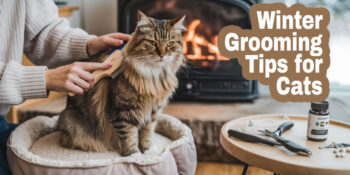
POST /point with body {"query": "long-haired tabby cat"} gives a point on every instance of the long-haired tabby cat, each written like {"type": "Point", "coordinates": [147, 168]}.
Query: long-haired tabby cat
{"type": "Point", "coordinates": [120, 114]}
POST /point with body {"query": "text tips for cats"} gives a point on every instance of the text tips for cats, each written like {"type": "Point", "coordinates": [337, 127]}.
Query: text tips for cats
{"type": "Point", "coordinates": [287, 49]}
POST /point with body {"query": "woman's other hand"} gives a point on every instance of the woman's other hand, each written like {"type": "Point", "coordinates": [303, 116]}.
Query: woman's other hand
{"type": "Point", "coordinates": [104, 42]}
{"type": "Point", "coordinates": [75, 77]}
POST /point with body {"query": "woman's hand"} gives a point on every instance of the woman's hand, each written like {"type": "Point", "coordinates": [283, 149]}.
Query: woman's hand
{"type": "Point", "coordinates": [105, 42]}
{"type": "Point", "coordinates": [75, 77]}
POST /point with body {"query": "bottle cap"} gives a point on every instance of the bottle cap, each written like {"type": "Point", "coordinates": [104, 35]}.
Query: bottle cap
{"type": "Point", "coordinates": [320, 106]}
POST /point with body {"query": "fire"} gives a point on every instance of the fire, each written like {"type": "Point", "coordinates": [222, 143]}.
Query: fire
{"type": "Point", "coordinates": [195, 43]}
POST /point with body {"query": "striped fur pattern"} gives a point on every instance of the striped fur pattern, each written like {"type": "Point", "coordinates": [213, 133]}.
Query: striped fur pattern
{"type": "Point", "coordinates": [120, 114]}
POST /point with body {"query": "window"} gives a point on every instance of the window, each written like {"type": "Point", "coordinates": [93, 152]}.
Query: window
{"type": "Point", "coordinates": [339, 42]}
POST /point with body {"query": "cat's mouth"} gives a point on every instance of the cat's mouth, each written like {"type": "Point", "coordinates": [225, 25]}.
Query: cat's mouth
{"type": "Point", "coordinates": [160, 59]}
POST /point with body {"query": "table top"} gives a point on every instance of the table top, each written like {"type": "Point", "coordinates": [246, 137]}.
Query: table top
{"type": "Point", "coordinates": [279, 159]}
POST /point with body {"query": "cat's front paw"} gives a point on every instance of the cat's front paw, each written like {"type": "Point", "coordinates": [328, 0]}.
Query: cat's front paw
{"type": "Point", "coordinates": [144, 146]}
{"type": "Point", "coordinates": [128, 152]}
{"type": "Point", "coordinates": [136, 154]}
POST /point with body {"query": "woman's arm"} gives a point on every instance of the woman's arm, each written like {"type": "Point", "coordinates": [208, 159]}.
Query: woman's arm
{"type": "Point", "coordinates": [48, 39]}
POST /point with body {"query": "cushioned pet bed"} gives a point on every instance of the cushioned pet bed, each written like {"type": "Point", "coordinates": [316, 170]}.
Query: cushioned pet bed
{"type": "Point", "coordinates": [33, 149]}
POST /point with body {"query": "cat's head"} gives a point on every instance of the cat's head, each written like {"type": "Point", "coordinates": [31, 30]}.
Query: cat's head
{"type": "Point", "coordinates": [156, 45]}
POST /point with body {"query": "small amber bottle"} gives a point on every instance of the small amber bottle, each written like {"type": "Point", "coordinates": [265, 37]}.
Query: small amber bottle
{"type": "Point", "coordinates": [318, 122]}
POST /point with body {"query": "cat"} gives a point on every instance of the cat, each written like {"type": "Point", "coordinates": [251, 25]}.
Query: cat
{"type": "Point", "coordinates": [120, 114]}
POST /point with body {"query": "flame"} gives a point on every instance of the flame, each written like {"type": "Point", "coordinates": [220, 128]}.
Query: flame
{"type": "Point", "coordinates": [198, 42]}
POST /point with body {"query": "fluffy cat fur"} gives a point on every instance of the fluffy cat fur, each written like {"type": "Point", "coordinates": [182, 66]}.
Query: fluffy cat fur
{"type": "Point", "coordinates": [120, 114]}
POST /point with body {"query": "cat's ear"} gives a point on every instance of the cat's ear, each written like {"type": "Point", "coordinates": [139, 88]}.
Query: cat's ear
{"type": "Point", "coordinates": [143, 20]}
{"type": "Point", "coordinates": [178, 24]}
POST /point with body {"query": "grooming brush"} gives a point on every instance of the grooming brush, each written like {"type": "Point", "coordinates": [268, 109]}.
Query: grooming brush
{"type": "Point", "coordinates": [115, 57]}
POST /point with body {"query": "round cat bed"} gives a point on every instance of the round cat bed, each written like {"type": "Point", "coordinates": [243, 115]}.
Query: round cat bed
{"type": "Point", "coordinates": [33, 148]}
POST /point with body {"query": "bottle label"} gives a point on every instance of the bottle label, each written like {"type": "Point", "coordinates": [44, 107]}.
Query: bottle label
{"type": "Point", "coordinates": [318, 126]}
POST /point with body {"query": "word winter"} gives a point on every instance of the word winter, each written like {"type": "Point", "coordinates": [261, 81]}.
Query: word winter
{"type": "Point", "coordinates": [274, 20]}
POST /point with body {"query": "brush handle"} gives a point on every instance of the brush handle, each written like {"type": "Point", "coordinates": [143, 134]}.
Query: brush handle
{"type": "Point", "coordinates": [116, 58]}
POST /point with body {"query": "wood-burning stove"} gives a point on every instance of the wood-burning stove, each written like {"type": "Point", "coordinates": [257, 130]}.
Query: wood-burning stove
{"type": "Point", "coordinates": [208, 76]}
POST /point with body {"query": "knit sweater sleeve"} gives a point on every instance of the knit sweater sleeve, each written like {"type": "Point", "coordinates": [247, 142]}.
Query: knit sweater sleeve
{"type": "Point", "coordinates": [19, 83]}
{"type": "Point", "coordinates": [48, 39]}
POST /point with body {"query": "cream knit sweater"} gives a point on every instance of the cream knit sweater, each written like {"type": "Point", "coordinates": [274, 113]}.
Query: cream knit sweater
{"type": "Point", "coordinates": [33, 27]}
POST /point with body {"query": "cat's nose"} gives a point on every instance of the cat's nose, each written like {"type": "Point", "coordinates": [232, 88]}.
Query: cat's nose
{"type": "Point", "coordinates": [162, 55]}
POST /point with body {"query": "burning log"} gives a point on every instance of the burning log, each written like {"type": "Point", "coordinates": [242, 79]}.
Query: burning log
{"type": "Point", "coordinates": [195, 44]}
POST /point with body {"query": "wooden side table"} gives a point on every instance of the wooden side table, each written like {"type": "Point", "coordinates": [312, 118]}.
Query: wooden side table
{"type": "Point", "coordinates": [279, 159]}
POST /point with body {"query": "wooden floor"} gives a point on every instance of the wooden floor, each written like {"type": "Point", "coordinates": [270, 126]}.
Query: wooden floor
{"type": "Point", "coordinates": [209, 168]}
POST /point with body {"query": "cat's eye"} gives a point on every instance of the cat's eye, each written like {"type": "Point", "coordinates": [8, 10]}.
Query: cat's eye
{"type": "Point", "coordinates": [171, 43]}
{"type": "Point", "coordinates": [152, 42]}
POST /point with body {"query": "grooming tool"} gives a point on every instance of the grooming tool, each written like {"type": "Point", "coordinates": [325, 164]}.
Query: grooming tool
{"type": "Point", "coordinates": [291, 146]}
{"type": "Point", "coordinates": [283, 127]}
{"type": "Point", "coordinates": [115, 57]}
{"type": "Point", "coordinates": [335, 145]}
{"type": "Point", "coordinates": [251, 138]}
